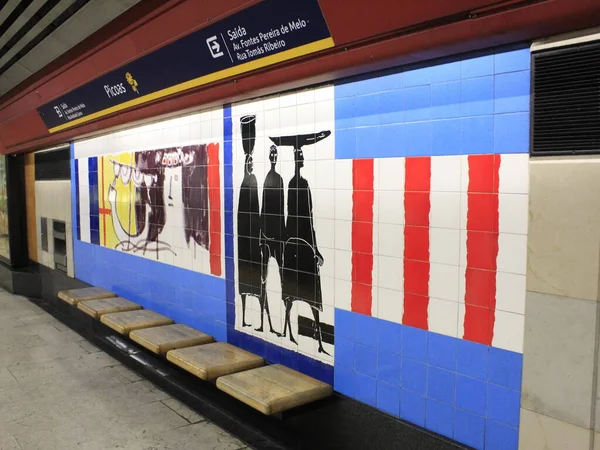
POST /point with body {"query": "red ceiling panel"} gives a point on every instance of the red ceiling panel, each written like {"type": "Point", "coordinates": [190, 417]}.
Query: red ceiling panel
{"type": "Point", "coordinates": [374, 35]}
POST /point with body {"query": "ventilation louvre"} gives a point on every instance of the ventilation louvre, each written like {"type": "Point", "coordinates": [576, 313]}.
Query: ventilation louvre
{"type": "Point", "coordinates": [566, 101]}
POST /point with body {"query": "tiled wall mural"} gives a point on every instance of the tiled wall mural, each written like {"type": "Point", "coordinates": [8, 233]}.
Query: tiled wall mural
{"type": "Point", "coordinates": [372, 234]}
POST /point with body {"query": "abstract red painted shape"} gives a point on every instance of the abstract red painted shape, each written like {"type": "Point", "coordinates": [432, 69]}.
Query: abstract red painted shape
{"type": "Point", "coordinates": [417, 206]}
{"type": "Point", "coordinates": [214, 199]}
{"type": "Point", "coordinates": [363, 198]}
{"type": "Point", "coordinates": [482, 248]}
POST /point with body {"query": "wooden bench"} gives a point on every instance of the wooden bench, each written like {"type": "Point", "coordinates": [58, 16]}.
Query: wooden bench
{"type": "Point", "coordinates": [160, 340]}
{"type": "Point", "coordinates": [74, 296]}
{"type": "Point", "coordinates": [273, 389]}
{"type": "Point", "coordinates": [211, 361]}
{"type": "Point", "coordinates": [97, 308]}
{"type": "Point", "coordinates": [126, 322]}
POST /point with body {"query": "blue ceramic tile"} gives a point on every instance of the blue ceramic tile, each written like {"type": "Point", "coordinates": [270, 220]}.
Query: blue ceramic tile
{"type": "Point", "coordinates": [347, 89]}
{"type": "Point", "coordinates": [388, 398]}
{"type": "Point", "coordinates": [392, 141]}
{"type": "Point", "coordinates": [506, 368]}
{"type": "Point", "coordinates": [477, 66]}
{"type": "Point", "coordinates": [500, 437]}
{"type": "Point", "coordinates": [512, 92]}
{"type": "Point", "coordinates": [414, 343]}
{"type": "Point", "coordinates": [365, 360]}
{"type": "Point", "coordinates": [389, 336]}
{"type": "Point", "coordinates": [414, 376]}
{"type": "Point", "coordinates": [469, 429]}
{"type": "Point", "coordinates": [478, 135]}
{"type": "Point", "coordinates": [472, 359]}
{"type": "Point", "coordinates": [367, 139]}
{"type": "Point", "coordinates": [419, 138]}
{"type": "Point", "coordinates": [345, 144]}
{"type": "Point", "coordinates": [445, 100]}
{"type": "Point", "coordinates": [290, 359]}
{"type": "Point", "coordinates": [512, 60]}
{"type": "Point", "coordinates": [511, 133]}
{"type": "Point", "coordinates": [448, 71]}
{"type": "Point", "coordinates": [417, 77]}
{"type": "Point", "coordinates": [471, 394]}
{"type": "Point", "coordinates": [391, 82]}
{"type": "Point", "coordinates": [388, 367]}
{"type": "Point", "coordinates": [220, 334]}
{"type": "Point", "coordinates": [345, 113]}
{"type": "Point", "coordinates": [442, 351]}
{"type": "Point", "coordinates": [344, 324]}
{"type": "Point", "coordinates": [343, 381]}
{"type": "Point", "coordinates": [477, 96]}
{"type": "Point", "coordinates": [365, 389]}
{"type": "Point", "coordinates": [503, 405]}
{"type": "Point", "coordinates": [365, 330]}
{"type": "Point", "coordinates": [344, 353]}
{"type": "Point", "coordinates": [391, 107]}
{"type": "Point", "coordinates": [417, 104]}
{"type": "Point", "coordinates": [441, 384]}
{"type": "Point", "coordinates": [412, 407]}
{"type": "Point", "coordinates": [366, 110]}
{"type": "Point", "coordinates": [439, 418]}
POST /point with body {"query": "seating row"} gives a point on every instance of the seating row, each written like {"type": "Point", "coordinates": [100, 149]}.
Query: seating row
{"type": "Point", "coordinates": [270, 389]}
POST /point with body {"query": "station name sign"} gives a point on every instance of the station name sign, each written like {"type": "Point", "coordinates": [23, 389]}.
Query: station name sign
{"type": "Point", "coordinates": [261, 35]}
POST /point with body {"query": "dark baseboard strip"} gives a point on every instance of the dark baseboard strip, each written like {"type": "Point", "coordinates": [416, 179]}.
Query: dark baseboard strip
{"type": "Point", "coordinates": [335, 423]}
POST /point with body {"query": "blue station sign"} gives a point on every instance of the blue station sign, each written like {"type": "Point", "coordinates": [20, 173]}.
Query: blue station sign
{"type": "Point", "coordinates": [267, 33]}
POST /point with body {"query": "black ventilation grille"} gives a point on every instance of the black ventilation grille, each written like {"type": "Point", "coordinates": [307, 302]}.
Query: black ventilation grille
{"type": "Point", "coordinates": [566, 101]}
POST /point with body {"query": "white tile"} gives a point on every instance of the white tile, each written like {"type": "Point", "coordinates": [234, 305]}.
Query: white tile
{"type": "Point", "coordinates": [461, 320]}
{"type": "Point", "coordinates": [445, 174]}
{"type": "Point", "coordinates": [328, 267]}
{"type": "Point", "coordinates": [464, 207]}
{"type": "Point", "coordinates": [289, 99]}
{"type": "Point", "coordinates": [462, 283]}
{"type": "Point", "coordinates": [391, 174]}
{"type": "Point", "coordinates": [463, 248]}
{"type": "Point", "coordinates": [325, 170]}
{"type": "Point", "coordinates": [343, 204]}
{"type": "Point", "coordinates": [445, 210]}
{"type": "Point", "coordinates": [328, 291]}
{"type": "Point", "coordinates": [443, 317]}
{"type": "Point", "coordinates": [343, 174]}
{"type": "Point", "coordinates": [514, 174]}
{"type": "Point", "coordinates": [325, 206]}
{"type": "Point", "coordinates": [390, 272]}
{"type": "Point", "coordinates": [305, 118]}
{"type": "Point", "coordinates": [443, 281]}
{"type": "Point", "coordinates": [444, 246]}
{"type": "Point", "coordinates": [390, 304]}
{"type": "Point", "coordinates": [391, 207]}
{"type": "Point", "coordinates": [306, 96]}
{"type": "Point", "coordinates": [325, 115]}
{"type": "Point", "coordinates": [324, 93]}
{"type": "Point", "coordinates": [510, 292]}
{"type": "Point", "coordinates": [508, 331]}
{"type": "Point", "coordinates": [513, 213]}
{"type": "Point", "coordinates": [343, 265]}
{"type": "Point", "coordinates": [512, 253]}
{"type": "Point", "coordinates": [390, 239]}
{"type": "Point", "coordinates": [464, 173]}
{"type": "Point", "coordinates": [326, 233]}
{"type": "Point", "coordinates": [343, 294]}
{"type": "Point", "coordinates": [343, 235]}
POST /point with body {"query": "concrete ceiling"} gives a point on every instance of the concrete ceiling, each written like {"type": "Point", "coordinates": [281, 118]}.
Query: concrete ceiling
{"type": "Point", "coordinates": [33, 33]}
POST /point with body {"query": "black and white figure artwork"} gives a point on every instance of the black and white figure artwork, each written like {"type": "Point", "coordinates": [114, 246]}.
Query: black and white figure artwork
{"type": "Point", "coordinates": [280, 294]}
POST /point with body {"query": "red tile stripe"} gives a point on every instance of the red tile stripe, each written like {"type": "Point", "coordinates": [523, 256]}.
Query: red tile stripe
{"type": "Point", "coordinates": [482, 248]}
{"type": "Point", "coordinates": [417, 205]}
{"type": "Point", "coordinates": [214, 199]}
{"type": "Point", "coordinates": [363, 198]}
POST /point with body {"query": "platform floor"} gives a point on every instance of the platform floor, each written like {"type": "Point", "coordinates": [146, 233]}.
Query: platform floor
{"type": "Point", "coordinates": [58, 391]}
